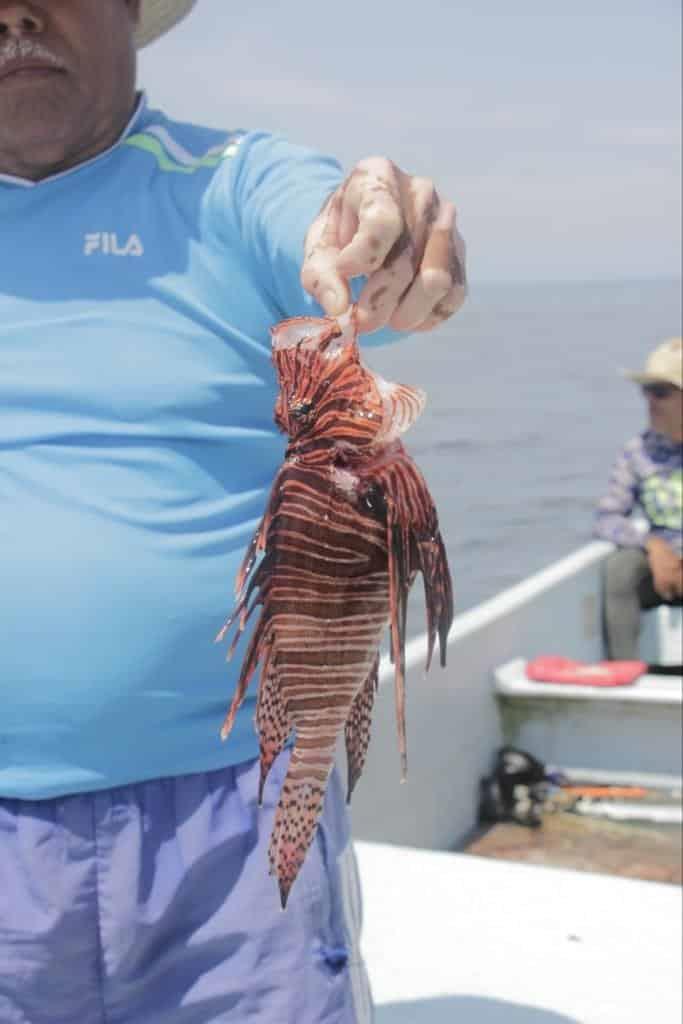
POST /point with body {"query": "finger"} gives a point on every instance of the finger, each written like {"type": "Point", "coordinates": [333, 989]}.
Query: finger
{"type": "Point", "coordinates": [383, 289]}
{"type": "Point", "coordinates": [437, 256]}
{"type": "Point", "coordinates": [434, 279]}
{"type": "Point", "coordinates": [421, 299]}
{"type": "Point", "coordinates": [319, 274]}
{"type": "Point", "coordinates": [348, 225]}
{"type": "Point", "coordinates": [443, 310]}
{"type": "Point", "coordinates": [446, 246]}
{"type": "Point", "coordinates": [387, 287]}
{"type": "Point", "coordinates": [372, 196]}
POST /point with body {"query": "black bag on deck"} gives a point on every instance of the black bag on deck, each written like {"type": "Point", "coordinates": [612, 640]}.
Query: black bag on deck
{"type": "Point", "coordinates": [516, 790]}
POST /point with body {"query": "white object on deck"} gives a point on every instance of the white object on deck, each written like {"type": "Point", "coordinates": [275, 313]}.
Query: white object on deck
{"type": "Point", "coordinates": [625, 810]}
{"type": "Point", "coordinates": [635, 728]}
{"type": "Point", "coordinates": [456, 939]}
{"type": "Point", "coordinates": [661, 640]}
{"type": "Point", "coordinates": [511, 681]}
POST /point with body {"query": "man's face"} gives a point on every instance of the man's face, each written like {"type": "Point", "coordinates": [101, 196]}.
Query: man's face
{"type": "Point", "coordinates": [67, 78]}
{"type": "Point", "coordinates": [665, 408]}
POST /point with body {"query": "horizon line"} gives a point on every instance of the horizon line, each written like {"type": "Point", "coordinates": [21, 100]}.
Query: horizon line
{"type": "Point", "coordinates": [631, 279]}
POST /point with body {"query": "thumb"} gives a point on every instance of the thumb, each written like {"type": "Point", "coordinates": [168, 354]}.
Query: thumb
{"type": "Point", "coordinates": [327, 287]}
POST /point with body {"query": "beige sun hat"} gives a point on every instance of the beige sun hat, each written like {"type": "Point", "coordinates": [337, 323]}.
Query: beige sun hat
{"type": "Point", "coordinates": [665, 363]}
{"type": "Point", "coordinates": [158, 16]}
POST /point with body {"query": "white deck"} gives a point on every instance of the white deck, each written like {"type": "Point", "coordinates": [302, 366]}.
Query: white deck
{"type": "Point", "coordinates": [455, 939]}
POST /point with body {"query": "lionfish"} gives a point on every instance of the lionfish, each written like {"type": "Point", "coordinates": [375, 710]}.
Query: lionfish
{"type": "Point", "coordinates": [348, 525]}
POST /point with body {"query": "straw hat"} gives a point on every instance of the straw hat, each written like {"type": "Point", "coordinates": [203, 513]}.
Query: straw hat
{"type": "Point", "coordinates": [158, 16]}
{"type": "Point", "coordinates": [665, 363]}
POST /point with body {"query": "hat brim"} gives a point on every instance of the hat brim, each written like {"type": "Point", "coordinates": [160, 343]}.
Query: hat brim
{"type": "Point", "coordinates": [649, 378]}
{"type": "Point", "coordinates": [159, 16]}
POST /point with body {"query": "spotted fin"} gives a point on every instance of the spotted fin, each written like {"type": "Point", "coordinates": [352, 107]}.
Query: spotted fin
{"type": "Point", "coordinates": [296, 817]}
{"type": "Point", "coordinates": [357, 729]}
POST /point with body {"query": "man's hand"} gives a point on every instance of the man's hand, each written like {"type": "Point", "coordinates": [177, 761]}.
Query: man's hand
{"type": "Point", "coordinates": [395, 230]}
{"type": "Point", "coordinates": [667, 569]}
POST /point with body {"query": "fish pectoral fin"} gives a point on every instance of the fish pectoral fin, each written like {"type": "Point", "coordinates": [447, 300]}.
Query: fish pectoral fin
{"type": "Point", "coordinates": [273, 724]}
{"type": "Point", "coordinates": [357, 728]}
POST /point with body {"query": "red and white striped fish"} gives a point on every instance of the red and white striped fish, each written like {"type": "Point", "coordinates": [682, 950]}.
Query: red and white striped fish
{"type": "Point", "coordinates": [349, 524]}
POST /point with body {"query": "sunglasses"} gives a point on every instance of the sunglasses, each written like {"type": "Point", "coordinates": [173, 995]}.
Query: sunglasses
{"type": "Point", "coordinates": [658, 390]}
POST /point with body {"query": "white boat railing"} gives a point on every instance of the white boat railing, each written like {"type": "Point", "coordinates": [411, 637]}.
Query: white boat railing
{"type": "Point", "coordinates": [453, 720]}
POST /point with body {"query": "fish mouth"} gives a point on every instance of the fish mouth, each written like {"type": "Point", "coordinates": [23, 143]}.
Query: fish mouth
{"type": "Point", "coordinates": [310, 333]}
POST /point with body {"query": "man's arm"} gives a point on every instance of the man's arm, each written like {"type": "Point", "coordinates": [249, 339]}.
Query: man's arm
{"type": "Point", "coordinates": [667, 568]}
{"type": "Point", "coordinates": [613, 523]}
{"type": "Point", "coordinates": [263, 200]}
{"type": "Point", "coordinates": [613, 520]}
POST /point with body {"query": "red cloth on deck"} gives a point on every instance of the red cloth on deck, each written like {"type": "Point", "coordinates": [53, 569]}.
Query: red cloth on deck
{"type": "Point", "coordinates": [555, 669]}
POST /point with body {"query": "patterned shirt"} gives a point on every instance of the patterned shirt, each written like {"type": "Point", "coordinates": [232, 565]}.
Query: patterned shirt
{"type": "Point", "coordinates": [648, 476]}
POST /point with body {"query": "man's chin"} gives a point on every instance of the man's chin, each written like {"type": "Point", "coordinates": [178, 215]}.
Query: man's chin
{"type": "Point", "coordinates": [30, 104]}
{"type": "Point", "coordinates": [34, 156]}
{"type": "Point", "coordinates": [33, 124]}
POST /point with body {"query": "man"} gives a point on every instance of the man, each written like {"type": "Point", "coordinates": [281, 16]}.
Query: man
{"type": "Point", "coordinates": [142, 263]}
{"type": "Point", "coordinates": [646, 570]}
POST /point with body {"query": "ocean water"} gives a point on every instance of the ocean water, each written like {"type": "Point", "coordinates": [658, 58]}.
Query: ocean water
{"type": "Point", "coordinates": [526, 413]}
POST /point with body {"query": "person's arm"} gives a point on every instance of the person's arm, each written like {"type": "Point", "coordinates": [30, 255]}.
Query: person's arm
{"type": "Point", "coordinates": [265, 197]}
{"type": "Point", "coordinates": [667, 567]}
{"type": "Point", "coordinates": [613, 520]}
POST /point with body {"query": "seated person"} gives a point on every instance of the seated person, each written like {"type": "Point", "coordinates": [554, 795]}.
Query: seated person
{"type": "Point", "coordinates": [646, 570]}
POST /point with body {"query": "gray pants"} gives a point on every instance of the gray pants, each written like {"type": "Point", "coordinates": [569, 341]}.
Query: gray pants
{"type": "Point", "coordinates": [629, 589]}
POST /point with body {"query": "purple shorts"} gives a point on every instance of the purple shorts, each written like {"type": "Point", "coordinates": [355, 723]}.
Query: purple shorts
{"type": "Point", "coordinates": [152, 904]}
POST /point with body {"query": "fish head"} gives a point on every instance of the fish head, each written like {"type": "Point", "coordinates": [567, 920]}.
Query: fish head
{"type": "Point", "coordinates": [324, 389]}
{"type": "Point", "coordinates": [328, 396]}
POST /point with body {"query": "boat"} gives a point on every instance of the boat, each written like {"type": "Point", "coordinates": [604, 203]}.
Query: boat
{"type": "Point", "coordinates": [451, 936]}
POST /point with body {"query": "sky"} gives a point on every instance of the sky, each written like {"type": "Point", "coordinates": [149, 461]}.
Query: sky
{"type": "Point", "coordinates": [555, 128]}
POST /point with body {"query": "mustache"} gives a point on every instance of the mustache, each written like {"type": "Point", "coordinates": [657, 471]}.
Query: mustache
{"type": "Point", "coordinates": [26, 49]}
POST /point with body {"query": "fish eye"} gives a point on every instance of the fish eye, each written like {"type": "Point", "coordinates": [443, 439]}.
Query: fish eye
{"type": "Point", "coordinates": [300, 410]}
{"type": "Point", "coordinates": [374, 498]}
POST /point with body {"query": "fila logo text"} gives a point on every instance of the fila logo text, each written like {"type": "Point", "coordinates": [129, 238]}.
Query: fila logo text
{"type": "Point", "coordinates": [107, 244]}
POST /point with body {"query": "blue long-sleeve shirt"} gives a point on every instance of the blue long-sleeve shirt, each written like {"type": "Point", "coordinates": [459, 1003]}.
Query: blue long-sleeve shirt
{"type": "Point", "coordinates": [647, 476]}
{"type": "Point", "coordinates": [137, 443]}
